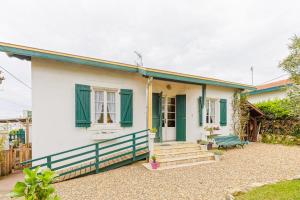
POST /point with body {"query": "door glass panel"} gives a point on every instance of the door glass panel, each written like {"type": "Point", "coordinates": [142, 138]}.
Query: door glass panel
{"type": "Point", "coordinates": [171, 116]}
{"type": "Point", "coordinates": [171, 112]}
{"type": "Point", "coordinates": [171, 123]}
{"type": "Point", "coordinates": [171, 108]}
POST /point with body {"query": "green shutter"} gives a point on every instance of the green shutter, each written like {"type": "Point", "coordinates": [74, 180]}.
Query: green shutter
{"type": "Point", "coordinates": [200, 107]}
{"type": "Point", "coordinates": [223, 112]}
{"type": "Point", "coordinates": [82, 105]}
{"type": "Point", "coordinates": [201, 102]}
{"type": "Point", "coordinates": [126, 108]}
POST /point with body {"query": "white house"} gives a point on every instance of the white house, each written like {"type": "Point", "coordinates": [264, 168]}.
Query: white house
{"type": "Point", "coordinates": [79, 100]}
{"type": "Point", "coordinates": [269, 91]}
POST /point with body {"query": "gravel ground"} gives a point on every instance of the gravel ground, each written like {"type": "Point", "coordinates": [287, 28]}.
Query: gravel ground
{"type": "Point", "coordinates": [239, 167]}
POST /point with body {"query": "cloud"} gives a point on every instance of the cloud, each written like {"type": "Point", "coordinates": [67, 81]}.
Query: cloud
{"type": "Point", "coordinates": [221, 39]}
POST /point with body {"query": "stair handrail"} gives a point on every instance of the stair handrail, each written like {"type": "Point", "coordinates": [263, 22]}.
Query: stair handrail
{"type": "Point", "coordinates": [81, 147]}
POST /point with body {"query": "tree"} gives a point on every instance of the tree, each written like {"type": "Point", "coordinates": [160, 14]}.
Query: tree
{"type": "Point", "coordinates": [291, 64]}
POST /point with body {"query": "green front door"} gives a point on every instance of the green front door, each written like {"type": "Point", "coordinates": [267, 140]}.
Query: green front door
{"type": "Point", "coordinates": [180, 117]}
{"type": "Point", "coordinates": [156, 115]}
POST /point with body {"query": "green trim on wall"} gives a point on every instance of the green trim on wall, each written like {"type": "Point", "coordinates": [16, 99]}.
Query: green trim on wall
{"type": "Point", "coordinates": [68, 59]}
{"type": "Point", "coordinates": [190, 80]}
{"type": "Point", "coordinates": [272, 89]}
{"type": "Point", "coordinates": [18, 50]}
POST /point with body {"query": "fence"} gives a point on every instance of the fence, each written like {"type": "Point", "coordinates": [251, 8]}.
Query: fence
{"type": "Point", "coordinates": [11, 159]}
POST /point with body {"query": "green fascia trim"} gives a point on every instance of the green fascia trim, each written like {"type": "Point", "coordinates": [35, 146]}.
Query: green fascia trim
{"type": "Point", "coordinates": [272, 89]}
{"type": "Point", "coordinates": [190, 80]}
{"type": "Point", "coordinates": [142, 71]}
{"type": "Point", "coordinates": [61, 58]}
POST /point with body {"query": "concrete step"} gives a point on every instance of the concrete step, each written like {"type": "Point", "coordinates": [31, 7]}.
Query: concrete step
{"type": "Point", "coordinates": [179, 147]}
{"type": "Point", "coordinates": [186, 159]}
{"type": "Point", "coordinates": [174, 154]}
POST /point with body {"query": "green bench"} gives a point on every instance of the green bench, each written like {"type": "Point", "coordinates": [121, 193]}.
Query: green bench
{"type": "Point", "coordinates": [229, 141]}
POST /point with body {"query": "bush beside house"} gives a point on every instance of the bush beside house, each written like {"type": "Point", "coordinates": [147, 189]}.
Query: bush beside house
{"type": "Point", "coordinates": [279, 125]}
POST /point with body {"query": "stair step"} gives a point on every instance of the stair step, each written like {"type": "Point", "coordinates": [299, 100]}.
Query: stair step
{"type": "Point", "coordinates": [186, 159]}
{"type": "Point", "coordinates": [172, 154]}
{"type": "Point", "coordinates": [181, 146]}
{"type": "Point", "coordinates": [175, 145]}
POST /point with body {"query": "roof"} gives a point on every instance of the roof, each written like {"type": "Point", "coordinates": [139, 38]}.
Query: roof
{"type": "Point", "coordinates": [25, 52]}
{"type": "Point", "coordinates": [14, 120]}
{"type": "Point", "coordinates": [274, 84]}
{"type": "Point", "coordinates": [271, 87]}
{"type": "Point", "coordinates": [254, 110]}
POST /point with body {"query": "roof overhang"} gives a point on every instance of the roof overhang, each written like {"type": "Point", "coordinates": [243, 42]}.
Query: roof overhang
{"type": "Point", "coordinates": [267, 90]}
{"type": "Point", "coordinates": [27, 53]}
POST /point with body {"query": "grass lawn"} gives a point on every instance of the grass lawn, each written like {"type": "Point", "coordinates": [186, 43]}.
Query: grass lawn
{"type": "Point", "coordinates": [286, 190]}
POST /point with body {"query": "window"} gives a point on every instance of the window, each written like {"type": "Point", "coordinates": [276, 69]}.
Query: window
{"type": "Point", "coordinates": [105, 107]}
{"type": "Point", "coordinates": [210, 105]}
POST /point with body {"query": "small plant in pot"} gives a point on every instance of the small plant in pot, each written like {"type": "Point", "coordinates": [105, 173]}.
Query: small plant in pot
{"type": "Point", "coordinates": [211, 135]}
{"type": "Point", "coordinates": [153, 130]}
{"type": "Point", "coordinates": [203, 144]}
{"type": "Point", "coordinates": [154, 163]}
{"type": "Point", "coordinates": [218, 155]}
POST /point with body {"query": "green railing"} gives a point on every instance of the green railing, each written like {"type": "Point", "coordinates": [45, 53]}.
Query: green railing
{"type": "Point", "coordinates": [94, 155]}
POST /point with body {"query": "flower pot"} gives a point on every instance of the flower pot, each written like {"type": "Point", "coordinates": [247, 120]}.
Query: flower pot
{"type": "Point", "coordinates": [154, 165]}
{"type": "Point", "coordinates": [218, 157]}
{"type": "Point", "coordinates": [209, 146]}
{"type": "Point", "coordinates": [203, 147]}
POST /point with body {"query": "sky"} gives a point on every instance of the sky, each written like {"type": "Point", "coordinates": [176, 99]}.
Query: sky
{"type": "Point", "coordinates": [220, 39]}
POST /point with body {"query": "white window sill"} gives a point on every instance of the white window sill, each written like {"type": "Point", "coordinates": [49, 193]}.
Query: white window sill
{"type": "Point", "coordinates": [104, 131]}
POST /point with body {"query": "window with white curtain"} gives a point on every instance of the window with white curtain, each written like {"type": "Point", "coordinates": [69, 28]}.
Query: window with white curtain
{"type": "Point", "coordinates": [210, 105]}
{"type": "Point", "coordinates": [105, 107]}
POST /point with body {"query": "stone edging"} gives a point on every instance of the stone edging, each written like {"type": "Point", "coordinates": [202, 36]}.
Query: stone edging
{"type": "Point", "coordinates": [230, 194]}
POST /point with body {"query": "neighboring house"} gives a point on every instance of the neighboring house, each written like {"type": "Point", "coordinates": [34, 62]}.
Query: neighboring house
{"type": "Point", "coordinates": [270, 91]}
{"type": "Point", "coordinates": [79, 100]}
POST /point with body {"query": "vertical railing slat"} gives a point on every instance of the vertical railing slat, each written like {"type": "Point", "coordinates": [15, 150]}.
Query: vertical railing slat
{"type": "Point", "coordinates": [97, 158]}
{"type": "Point", "coordinates": [49, 162]}
{"type": "Point", "coordinates": [133, 147]}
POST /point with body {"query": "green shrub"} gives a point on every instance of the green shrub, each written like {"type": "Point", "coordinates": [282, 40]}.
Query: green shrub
{"type": "Point", "coordinates": [280, 139]}
{"type": "Point", "coordinates": [36, 186]}
{"type": "Point", "coordinates": [276, 109]}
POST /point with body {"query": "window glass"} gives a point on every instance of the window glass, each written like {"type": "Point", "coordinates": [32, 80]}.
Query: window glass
{"type": "Point", "coordinates": [105, 107]}
{"type": "Point", "coordinates": [111, 107]}
{"type": "Point", "coordinates": [210, 105]}
{"type": "Point", "coordinates": [99, 106]}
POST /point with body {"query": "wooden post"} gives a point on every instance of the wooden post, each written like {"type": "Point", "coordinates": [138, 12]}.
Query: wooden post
{"type": "Point", "coordinates": [27, 132]}
{"type": "Point", "coordinates": [150, 80]}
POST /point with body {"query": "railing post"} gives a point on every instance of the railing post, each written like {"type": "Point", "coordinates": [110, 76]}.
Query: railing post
{"type": "Point", "coordinates": [49, 162]}
{"type": "Point", "coordinates": [151, 137]}
{"type": "Point", "coordinates": [133, 147]}
{"type": "Point", "coordinates": [97, 158]}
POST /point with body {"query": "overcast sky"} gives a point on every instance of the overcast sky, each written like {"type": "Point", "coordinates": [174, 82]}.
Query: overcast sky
{"type": "Point", "coordinates": [213, 38]}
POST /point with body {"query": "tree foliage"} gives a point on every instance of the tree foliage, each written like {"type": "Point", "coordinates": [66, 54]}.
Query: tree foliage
{"type": "Point", "coordinates": [291, 64]}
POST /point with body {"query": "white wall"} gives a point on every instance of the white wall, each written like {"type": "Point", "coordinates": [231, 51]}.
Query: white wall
{"type": "Point", "coordinates": [281, 94]}
{"type": "Point", "coordinates": [53, 103]}
{"type": "Point", "coordinates": [193, 129]}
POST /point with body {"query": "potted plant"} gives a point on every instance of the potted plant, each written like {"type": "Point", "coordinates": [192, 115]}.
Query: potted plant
{"type": "Point", "coordinates": [203, 144]}
{"type": "Point", "coordinates": [153, 130]}
{"type": "Point", "coordinates": [154, 163]}
{"type": "Point", "coordinates": [211, 135]}
{"type": "Point", "coordinates": [218, 154]}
